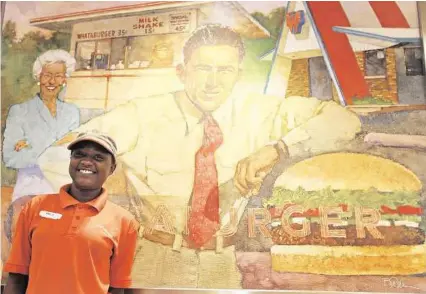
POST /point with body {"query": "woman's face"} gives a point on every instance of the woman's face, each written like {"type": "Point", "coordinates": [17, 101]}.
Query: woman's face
{"type": "Point", "coordinates": [52, 77]}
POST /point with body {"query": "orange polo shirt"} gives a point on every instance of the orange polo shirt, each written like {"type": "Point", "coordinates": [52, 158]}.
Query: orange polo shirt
{"type": "Point", "coordinates": [66, 246]}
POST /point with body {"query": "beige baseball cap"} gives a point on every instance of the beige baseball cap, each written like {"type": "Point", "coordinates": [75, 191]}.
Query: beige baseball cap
{"type": "Point", "coordinates": [102, 139]}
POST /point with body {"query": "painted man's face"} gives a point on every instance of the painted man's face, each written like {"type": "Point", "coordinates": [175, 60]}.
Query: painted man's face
{"type": "Point", "coordinates": [210, 75]}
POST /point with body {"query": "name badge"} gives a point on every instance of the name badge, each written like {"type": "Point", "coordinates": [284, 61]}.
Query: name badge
{"type": "Point", "coordinates": [51, 215]}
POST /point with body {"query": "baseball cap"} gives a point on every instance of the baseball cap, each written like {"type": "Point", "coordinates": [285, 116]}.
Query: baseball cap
{"type": "Point", "coordinates": [102, 139]}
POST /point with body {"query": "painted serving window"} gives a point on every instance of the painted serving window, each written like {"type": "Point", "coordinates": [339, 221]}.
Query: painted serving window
{"type": "Point", "coordinates": [130, 53]}
{"type": "Point", "coordinates": [375, 63]}
{"type": "Point", "coordinates": [414, 61]}
{"type": "Point", "coordinates": [118, 53]}
{"type": "Point", "coordinates": [137, 42]}
{"type": "Point", "coordinates": [155, 51]}
{"type": "Point", "coordinates": [83, 55]}
{"type": "Point", "coordinates": [93, 54]}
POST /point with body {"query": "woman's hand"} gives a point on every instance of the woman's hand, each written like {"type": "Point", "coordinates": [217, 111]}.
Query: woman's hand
{"type": "Point", "coordinates": [21, 144]}
{"type": "Point", "coordinates": [68, 138]}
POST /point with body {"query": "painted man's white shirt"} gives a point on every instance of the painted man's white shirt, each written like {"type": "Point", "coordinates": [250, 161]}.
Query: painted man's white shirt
{"type": "Point", "coordinates": [157, 143]}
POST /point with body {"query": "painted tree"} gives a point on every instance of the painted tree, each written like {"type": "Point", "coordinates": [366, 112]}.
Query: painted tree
{"type": "Point", "coordinates": [272, 21]}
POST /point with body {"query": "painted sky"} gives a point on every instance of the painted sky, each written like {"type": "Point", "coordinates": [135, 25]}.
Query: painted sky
{"type": "Point", "coordinates": [22, 11]}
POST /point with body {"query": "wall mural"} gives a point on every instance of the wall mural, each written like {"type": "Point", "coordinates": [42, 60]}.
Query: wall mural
{"type": "Point", "coordinates": [195, 94]}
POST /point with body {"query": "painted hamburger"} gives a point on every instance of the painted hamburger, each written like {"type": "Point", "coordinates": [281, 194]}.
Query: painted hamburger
{"type": "Point", "coordinates": [347, 214]}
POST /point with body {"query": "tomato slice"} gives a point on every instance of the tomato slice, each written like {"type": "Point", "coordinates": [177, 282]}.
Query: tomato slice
{"type": "Point", "coordinates": [344, 207]}
{"type": "Point", "coordinates": [313, 212]}
{"type": "Point", "coordinates": [387, 210]}
{"type": "Point", "coordinates": [402, 210]}
{"type": "Point", "coordinates": [408, 209]}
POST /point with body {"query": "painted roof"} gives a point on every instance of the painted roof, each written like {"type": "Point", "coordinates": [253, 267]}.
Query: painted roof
{"type": "Point", "coordinates": [54, 22]}
{"type": "Point", "coordinates": [368, 14]}
{"type": "Point", "coordinates": [248, 26]}
{"type": "Point", "coordinates": [368, 28]}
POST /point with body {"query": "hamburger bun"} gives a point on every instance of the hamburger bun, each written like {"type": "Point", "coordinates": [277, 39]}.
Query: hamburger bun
{"type": "Point", "coordinates": [349, 260]}
{"type": "Point", "coordinates": [350, 171]}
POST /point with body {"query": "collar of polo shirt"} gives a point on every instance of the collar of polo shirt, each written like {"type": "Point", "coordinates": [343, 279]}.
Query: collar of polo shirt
{"type": "Point", "coordinates": [67, 200]}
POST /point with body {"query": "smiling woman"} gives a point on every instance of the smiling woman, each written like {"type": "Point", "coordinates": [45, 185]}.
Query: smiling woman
{"type": "Point", "coordinates": [94, 239]}
{"type": "Point", "coordinates": [90, 165]}
{"type": "Point", "coordinates": [36, 124]}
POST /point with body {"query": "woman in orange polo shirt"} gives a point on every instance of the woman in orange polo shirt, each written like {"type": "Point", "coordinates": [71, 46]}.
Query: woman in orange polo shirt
{"type": "Point", "coordinates": [76, 241]}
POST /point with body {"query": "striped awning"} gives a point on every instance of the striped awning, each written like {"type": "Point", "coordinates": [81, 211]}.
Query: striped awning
{"type": "Point", "coordinates": [381, 14]}
{"type": "Point", "coordinates": [382, 24]}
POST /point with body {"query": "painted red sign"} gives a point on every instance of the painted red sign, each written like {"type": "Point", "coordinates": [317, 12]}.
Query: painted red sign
{"type": "Point", "coordinates": [295, 21]}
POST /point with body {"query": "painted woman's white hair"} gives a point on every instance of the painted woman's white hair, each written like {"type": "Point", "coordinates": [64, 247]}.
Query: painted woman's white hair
{"type": "Point", "coordinates": [54, 56]}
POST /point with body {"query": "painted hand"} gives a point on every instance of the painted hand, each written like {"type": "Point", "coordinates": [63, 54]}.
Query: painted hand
{"type": "Point", "coordinates": [252, 170]}
{"type": "Point", "coordinates": [21, 144]}
{"type": "Point", "coordinates": [68, 138]}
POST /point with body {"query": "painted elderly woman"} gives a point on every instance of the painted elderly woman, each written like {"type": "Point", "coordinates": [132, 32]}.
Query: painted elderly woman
{"type": "Point", "coordinates": [36, 124]}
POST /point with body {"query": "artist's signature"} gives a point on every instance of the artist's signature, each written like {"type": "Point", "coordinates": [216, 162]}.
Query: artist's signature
{"type": "Point", "coordinates": [396, 283]}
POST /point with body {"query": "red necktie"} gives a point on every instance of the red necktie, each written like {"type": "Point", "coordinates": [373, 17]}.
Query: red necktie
{"type": "Point", "coordinates": [204, 217]}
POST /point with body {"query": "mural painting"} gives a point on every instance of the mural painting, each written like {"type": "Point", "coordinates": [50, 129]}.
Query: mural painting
{"type": "Point", "coordinates": [262, 145]}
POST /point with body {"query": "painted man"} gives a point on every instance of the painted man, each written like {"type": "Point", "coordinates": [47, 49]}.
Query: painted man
{"type": "Point", "coordinates": [203, 148]}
